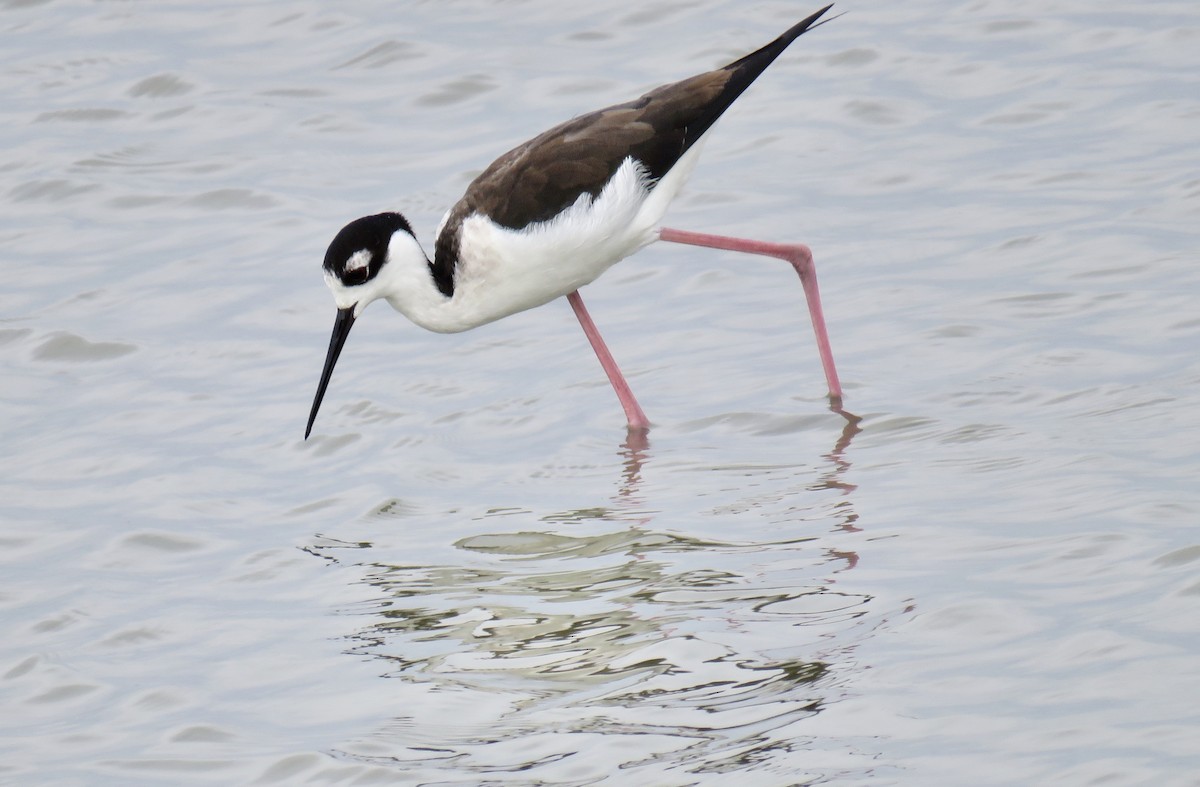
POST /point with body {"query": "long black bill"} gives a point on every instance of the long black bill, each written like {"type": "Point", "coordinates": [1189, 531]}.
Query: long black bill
{"type": "Point", "coordinates": [341, 329]}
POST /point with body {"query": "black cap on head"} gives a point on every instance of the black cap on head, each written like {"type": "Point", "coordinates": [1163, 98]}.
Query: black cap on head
{"type": "Point", "coordinates": [360, 249]}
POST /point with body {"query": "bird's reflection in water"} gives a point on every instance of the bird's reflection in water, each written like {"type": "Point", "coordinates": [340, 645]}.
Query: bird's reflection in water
{"type": "Point", "coordinates": [834, 477]}
{"type": "Point", "coordinates": [693, 652]}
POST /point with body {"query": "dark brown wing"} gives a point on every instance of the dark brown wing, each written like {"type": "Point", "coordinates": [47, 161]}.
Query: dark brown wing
{"type": "Point", "coordinates": [537, 180]}
{"type": "Point", "coordinates": [540, 178]}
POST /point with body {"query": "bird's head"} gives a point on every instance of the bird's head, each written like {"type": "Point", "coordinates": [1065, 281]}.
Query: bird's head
{"type": "Point", "coordinates": [357, 256]}
{"type": "Point", "coordinates": [356, 272]}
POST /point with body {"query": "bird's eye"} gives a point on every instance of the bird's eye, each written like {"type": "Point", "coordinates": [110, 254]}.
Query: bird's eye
{"type": "Point", "coordinates": [353, 276]}
{"type": "Point", "coordinates": [358, 267]}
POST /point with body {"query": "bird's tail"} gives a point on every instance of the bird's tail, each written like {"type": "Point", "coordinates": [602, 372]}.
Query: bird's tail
{"type": "Point", "coordinates": [756, 62]}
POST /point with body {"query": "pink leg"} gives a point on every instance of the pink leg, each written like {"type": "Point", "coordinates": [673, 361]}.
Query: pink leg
{"type": "Point", "coordinates": [633, 412]}
{"type": "Point", "coordinates": [801, 259]}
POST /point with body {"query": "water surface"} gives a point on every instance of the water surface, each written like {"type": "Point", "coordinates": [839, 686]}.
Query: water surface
{"type": "Point", "coordinates": [985, 569]}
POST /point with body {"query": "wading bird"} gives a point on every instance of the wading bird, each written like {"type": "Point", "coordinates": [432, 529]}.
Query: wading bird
{"type": "Point", "coordinates": [550, 216]}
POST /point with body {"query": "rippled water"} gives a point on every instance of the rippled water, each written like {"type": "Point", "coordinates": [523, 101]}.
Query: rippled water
{"type": "Point", "coordinates": [985, 571]}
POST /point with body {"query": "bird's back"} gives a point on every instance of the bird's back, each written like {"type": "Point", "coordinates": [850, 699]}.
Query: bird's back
{"type": "Point", "coordinates": [539, 179]}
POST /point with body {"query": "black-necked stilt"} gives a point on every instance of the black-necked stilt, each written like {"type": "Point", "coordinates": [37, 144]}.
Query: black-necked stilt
{"type": "Point", "coordinates": [550, 216]}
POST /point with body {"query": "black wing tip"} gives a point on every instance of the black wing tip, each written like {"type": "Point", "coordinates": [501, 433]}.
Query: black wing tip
{"type": "Point", "coordinates": [824, 21]}
{"type": "Point", "coordinates": [756, 62]}
{"type": "Point", "coordinates": [804, 25]}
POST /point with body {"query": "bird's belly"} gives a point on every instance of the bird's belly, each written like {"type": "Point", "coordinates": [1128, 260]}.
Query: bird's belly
{"type": "Point", "coordinates": [509, 278]}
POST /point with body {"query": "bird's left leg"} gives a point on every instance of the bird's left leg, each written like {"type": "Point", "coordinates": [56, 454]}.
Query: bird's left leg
{"type": "Point", "coordinates": [633, 411]}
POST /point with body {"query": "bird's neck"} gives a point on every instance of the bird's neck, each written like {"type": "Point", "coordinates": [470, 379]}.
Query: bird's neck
{"type": "Point", "coordinates": [410, 282]}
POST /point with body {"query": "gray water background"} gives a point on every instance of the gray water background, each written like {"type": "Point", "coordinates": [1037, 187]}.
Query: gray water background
{"type": "Point", "coordinates": [987, 574]}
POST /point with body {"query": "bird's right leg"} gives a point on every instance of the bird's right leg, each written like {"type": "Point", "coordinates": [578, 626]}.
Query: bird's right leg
{"type": "Point", "coordinates": [800, 257]}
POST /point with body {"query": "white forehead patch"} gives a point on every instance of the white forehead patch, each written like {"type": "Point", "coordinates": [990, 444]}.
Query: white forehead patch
{"type": "Point", "coordinates": [358, 260]}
